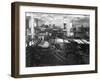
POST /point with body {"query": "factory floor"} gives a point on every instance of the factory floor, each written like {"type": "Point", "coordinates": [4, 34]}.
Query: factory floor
{"type": "Point", "coordinates": [37, 56]}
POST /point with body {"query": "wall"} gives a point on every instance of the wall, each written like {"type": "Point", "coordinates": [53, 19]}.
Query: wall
{"type": "Point", "coordinates": [5, 40]}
